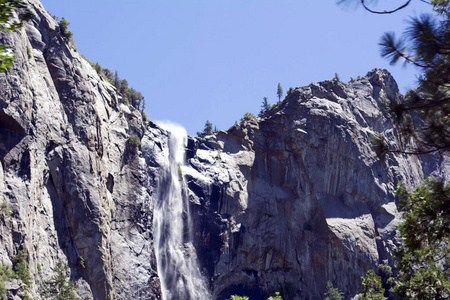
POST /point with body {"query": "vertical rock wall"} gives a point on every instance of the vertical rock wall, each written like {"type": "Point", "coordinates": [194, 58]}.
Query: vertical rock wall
{"type": "Point", "coordinates": [298, 197]}
{"type": "Point", "coordinates": [76, 191]}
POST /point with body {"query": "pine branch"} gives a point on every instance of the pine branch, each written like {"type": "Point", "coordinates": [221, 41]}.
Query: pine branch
{"type": "Point", "coordinates": [418, 152]}
{"type": "Point", "coordinates": [384, 12]}
{"type": "Point", "coordinates": [428, 104]}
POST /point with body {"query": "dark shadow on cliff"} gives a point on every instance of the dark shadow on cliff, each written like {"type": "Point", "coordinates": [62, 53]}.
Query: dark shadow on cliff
{"type": "Point", "coordinates": [64, 234]}
{"type": "Point", "coordinates": [242, 290]}
{"type": "Point", "coordinates": [11, 134]}
{"type": "Point", "coordinates": [334, 207]}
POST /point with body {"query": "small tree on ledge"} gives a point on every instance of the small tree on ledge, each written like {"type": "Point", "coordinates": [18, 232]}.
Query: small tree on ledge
{"type": "Point", "coordinates": [208, 130]}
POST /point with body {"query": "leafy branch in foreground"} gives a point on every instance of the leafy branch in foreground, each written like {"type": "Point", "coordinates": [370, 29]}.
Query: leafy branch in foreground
{"type": "Point", "coordinates": [7, 8]}
{"type": "Point", "coordinates": [425, 44]}
{"type": "Point", "coordinates": [423, 260]}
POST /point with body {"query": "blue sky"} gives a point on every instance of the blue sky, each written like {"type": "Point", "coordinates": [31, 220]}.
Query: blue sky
{"type": "Point", "coordinates": [198, 60]}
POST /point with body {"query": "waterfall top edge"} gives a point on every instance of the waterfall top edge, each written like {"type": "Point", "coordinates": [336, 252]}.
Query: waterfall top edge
{"type": "Point", "coordinates": [172, 127]}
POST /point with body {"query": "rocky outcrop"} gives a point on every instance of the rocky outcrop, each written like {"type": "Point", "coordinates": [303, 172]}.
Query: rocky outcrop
{"type": "Point", "coordinates": [287, 202]}
{"type": "Point", "coordinates": [76, 191]}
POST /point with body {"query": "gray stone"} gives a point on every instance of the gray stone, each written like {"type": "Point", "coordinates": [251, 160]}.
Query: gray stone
{"type": "Point", "coordinates": [299, 197]}
{"type": "Point", "coordinates": [73, 189]}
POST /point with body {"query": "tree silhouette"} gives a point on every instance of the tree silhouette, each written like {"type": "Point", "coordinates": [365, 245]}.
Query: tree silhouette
{"type": "Point", "coordinates": [279, 92]}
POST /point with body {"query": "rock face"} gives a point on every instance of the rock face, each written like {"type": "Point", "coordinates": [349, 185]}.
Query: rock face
{"type": "Point", "coordinates": [76, 191]}
{"type": "Point", "coordinates": [287, 202]}
{"type": "Point", "coordinates": [284, 203]}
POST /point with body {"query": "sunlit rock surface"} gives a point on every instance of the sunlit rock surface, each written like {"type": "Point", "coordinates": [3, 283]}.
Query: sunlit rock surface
{"type": "Point", "coordinates": [299, 197]}
{"type": "Point", "coordinates": [75, 191]}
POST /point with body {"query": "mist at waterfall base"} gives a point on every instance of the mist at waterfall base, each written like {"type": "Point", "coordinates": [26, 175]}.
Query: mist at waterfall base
{"type": "Point", "coordinates": [178, 267]}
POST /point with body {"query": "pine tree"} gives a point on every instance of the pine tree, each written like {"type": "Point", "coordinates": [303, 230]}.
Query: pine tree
{"type": "Point", "coordinates": [372, 289]}
{"type": "Point", "coordinates": [279, 92]}
{"type": "Point", "coordinates": [59, 287]}
{"type": "Point", "coordinates": [208, 130]}
{"type": "Point", "coordinates": [265, 107]}
{"type": "Point", "coordinates": [20, 268]}
{"type": "Point", "coordinates": [289, 91]}
{"type": "Point", "coordinates": [336, 77]}
{"type": "Point", "coordinates": [143, 104]}
{"type": "Point", "coordinates": [116, 79]}
{"type": "Point", "coordinates": [423, 260]}
{"type": "Point", "coordinates": [247, 117]}
{"type": "Point", "coordinates": [64, 29]}
{"type": "Point", "coordinates": [333, 293]}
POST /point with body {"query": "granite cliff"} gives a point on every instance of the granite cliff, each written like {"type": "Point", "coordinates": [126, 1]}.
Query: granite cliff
{"type": "Point", "coordinates": [284, 202]}
{"type": "Point", "coordinates": [76, 191]}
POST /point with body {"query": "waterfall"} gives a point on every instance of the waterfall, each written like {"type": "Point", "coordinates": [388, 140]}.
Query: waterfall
{"type": "Point", "coordinates": [176, 257]}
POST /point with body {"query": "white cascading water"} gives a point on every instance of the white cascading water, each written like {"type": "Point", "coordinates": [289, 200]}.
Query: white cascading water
{"type": "Point", "coordinates": [177, 260]}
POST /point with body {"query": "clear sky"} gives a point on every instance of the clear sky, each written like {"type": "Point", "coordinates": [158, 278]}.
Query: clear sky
{"type": "Point", "coordinates": [198, 60]}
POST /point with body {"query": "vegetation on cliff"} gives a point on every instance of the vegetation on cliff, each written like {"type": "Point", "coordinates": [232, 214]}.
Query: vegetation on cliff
{"type": "Point", "coordinates": [59, 286]}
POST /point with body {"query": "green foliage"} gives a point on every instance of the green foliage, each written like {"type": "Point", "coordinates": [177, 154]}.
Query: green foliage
{"type": "Point", "coordinates": [379, 144]}
{"type": "Point", "coordinates": [64, 29]}
{"type": "Point", "coordinates": [2, 289]}
{"type": "Point", "coordinates": [333, 293]}
{"type": "Point", "coordinates": [59, 287]}
{"type": "Point", "coordinates": [6, 58]}
{"type": "Point", "coordinates": [236, 297]}
{"type": "Point", "coordinates": [265, 107]}
{"type": "Point", "coordinates": [425, 44]}
{"type": "Point", "coordinates": [279, 92]}
{"type": "Point", "coordinates": [442, 7]}
{"type": "Point", "coordinates": [20, 268]}
{"type": "Point", "coordinates": [29, 51]}
{"type": "Point", "coordinates": [133, 143]}
{"type": "Point", "coordinates": [372, 289]}
{"type": "Point", "coordinates": [27, 297]}
{"type": "Point", "coordinates": [289, 91]}
{"type": "Point", "coordinates": [276, 297]}
{"type": "Point", "coordinates": [129, 95]}
{"type": "Point", "coordinates": [4, 209]}
{"type": "Point", "coordinates": [5, 274]}
{"type": "Point", "coordinates": [39, 268]}
{"type": "Point", "coordinates": [247, 117]}
{"type": "Point", "coordinates": [81, 262]}
{"type": "Point", "coordinates": [180, 173]}
{"type": "Point", "coordinates": [336, 78]}
{"type": "Point", "coordinates": [424, 257]}
{"type": "Point", "coordinates": [7, 8]}
{"type": "Point", "coordinates": [208, 130]}
{"type": "Point", "coordinates": [386, 274]}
